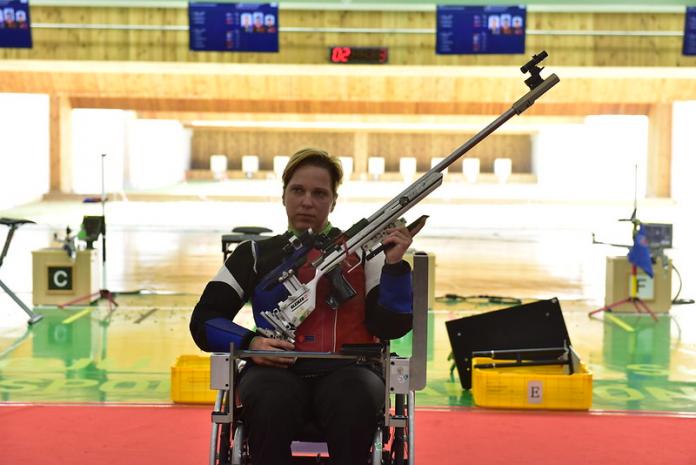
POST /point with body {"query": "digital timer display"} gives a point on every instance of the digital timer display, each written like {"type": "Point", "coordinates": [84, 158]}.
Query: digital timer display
{"type": "Point", "coordinates": [359, 55]}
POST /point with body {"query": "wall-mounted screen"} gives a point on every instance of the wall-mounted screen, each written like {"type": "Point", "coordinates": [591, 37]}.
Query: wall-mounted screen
{"type": "Point", "coordinates": [15, 27]}
{"type": "Point", "coordinates": [690, 31]}
{"type": "Point", "coordinates": [233, 27]}
{"type": "Point", "coordinates": [480, 29]}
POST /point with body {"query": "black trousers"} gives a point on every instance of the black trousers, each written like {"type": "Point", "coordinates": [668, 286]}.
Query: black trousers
{"type": "Point", "coordinates": [345, 405]}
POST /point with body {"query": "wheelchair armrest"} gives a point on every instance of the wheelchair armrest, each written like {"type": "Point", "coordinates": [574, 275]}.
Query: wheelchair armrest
{"type": "Point", "coordinates": [362, 350]}
{"type": "Point", "coordinates": [222, 368]}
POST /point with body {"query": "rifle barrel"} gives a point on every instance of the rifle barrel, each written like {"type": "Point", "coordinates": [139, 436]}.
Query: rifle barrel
{"type": "Point", "coordinates": [517, 108]}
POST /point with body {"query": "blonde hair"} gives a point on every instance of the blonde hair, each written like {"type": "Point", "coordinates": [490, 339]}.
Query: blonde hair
{"type": "Point", "coordinates": [314, 157]}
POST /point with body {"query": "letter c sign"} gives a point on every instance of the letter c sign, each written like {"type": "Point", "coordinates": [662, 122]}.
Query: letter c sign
{"type": "Point", "coordinates": [60, 278]}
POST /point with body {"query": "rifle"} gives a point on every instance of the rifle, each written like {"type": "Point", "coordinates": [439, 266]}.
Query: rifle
{"type": "Point", "coordinates": [366, 235]}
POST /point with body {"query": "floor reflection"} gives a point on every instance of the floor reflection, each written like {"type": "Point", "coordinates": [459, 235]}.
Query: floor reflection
{"type": "Point", "coordinates": [160, 256]}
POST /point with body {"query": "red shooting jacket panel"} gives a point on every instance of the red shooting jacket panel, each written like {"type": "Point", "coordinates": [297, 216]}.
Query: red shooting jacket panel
{"type": "Point", "coordinates": [326, 329]}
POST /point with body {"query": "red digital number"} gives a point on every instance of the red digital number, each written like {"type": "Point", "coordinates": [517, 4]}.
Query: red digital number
{"type": "Point", "coordinates": [382, 55]}
{"type": "Point", "coordinates": [340, 54]}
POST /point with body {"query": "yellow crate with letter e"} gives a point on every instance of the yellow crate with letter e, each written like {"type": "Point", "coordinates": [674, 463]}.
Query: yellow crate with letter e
{"type": "Point", "coordinates": [498, 383]}
{"type": "Point", "coordinates": [190, 380]}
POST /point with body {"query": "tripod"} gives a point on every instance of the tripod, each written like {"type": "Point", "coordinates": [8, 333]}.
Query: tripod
{"type": "Point", "coordinates": [632, 298]}
{"type": "Point", "coordinates": [13, 224]}
{"type": "Point", "coordinates": [96, 227]}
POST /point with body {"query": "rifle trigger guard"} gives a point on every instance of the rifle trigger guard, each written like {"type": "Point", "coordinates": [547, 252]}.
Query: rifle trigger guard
{"type": "Point", "coordinates": [360, 261]}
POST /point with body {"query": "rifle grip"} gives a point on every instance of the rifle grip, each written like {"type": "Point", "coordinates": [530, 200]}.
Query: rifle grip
{"type": "Point", "coordinates": [341, 290]}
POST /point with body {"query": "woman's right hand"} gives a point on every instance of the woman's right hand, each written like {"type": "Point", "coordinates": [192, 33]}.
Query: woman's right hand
{"type": "Point", "coordinates": [267, 343]}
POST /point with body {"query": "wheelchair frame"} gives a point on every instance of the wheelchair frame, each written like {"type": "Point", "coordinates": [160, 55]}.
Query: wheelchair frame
{"type": "Point", "coordinates": [403, 376]}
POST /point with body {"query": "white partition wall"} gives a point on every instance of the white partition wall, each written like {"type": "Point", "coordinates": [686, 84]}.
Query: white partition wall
{"type": "Point", "coordinates": [471, 167]}
{"type": "Point", "coordinates": [407, 168]}
{"type": "Point", "coordinates": [375, 167]}
{"type": "Point", "coordinates": [140, 153]}
{"type": "Point", "coordinates": [250, 165]}
{"type": "Point", "coordinates": [684, 191]}
{"type": "Point", "coordinates": [279, 164]}
{"type": "Point", "coordinates": [218, 166]}
{"type": "Point", "coordinates": [684, 153]}
{"type": "Point", "coordinates": [158, 153]}
{"type": "Point", "coordinates": [24, 148]}
{"type": "Point", "coordinates": [593, 160]}
{"type": "Point", "coordinates": [97, 132]}
{"type": "Point", "coordinates": [347, 165]}
{"type": "Point", "coordinates": [502, 167]}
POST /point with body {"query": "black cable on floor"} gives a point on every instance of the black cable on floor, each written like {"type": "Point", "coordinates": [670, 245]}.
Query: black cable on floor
{"type": "Point", "coordinates": [677, 300]}
{"type": "Point", "coordinates": [479, 299]}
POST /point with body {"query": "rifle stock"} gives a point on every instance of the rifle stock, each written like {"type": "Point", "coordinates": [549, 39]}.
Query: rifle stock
{"type": "Point", "coordinates": [365, 235]}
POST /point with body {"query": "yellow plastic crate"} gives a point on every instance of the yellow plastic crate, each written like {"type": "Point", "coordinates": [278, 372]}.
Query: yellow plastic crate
{"type": "Point", "coordinates": [531, 387]}
{"type": "Point", "coordinates": [191, 380]}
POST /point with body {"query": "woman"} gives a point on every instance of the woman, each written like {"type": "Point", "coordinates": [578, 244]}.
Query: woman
{"type": "Point", "coordinates": [279, 394]}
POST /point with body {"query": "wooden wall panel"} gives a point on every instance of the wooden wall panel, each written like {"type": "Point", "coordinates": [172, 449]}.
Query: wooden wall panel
{"type": "Point", "coordinates": [60, 145]}
{"type": "Point", "coordinates": [659, 163]}
{"type": "Point", "coordinates": [150, 71]}
{"type": "Point", "coordinates": [265, 145]}
{"type": "Point", "coordinates": [327, 89]}
{"type": "Point", "coordinates": [426, 146]}
{"type": "Point", "coordinates": [391, 146]}
{"type": "Point", "coordinates": [311, 47]}
{"type": "Point", "coordinates": [640, 51]}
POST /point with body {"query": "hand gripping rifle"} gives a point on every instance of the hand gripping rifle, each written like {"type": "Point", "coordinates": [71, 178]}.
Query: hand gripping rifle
{"type": "Point", "coordinates": [366, 235]}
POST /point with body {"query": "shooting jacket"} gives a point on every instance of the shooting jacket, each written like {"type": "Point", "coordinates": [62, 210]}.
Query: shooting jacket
{"type": "Point", "coordinates": [381, 308]}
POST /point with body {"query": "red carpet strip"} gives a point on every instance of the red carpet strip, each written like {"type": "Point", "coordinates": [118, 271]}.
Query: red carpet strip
{"type": "Point", "coordinates": [179, 435]}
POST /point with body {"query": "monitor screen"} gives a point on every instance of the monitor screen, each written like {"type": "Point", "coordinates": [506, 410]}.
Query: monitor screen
{"type": "Point", "coordinates": [15, 26]}
{"type": "Point", "coordinates": [480, 29]}
{"type": "Point", "coordinates": [233, 27]}
{"type": "Point", "coordinates": [689, 47]}
{"type": "Point", "coordinates": [659, 235]}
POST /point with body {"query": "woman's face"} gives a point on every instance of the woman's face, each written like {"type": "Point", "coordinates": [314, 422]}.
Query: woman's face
{"type": "Point", "coordinates": [308, 198]}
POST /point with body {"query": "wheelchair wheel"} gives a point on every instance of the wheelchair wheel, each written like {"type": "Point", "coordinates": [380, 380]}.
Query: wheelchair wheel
{"type": "Point", "coordinates": [239, 454]}
{"type": "Point", "coordinates": [223, 455]}
{"type": "Point", "coordinates": [400, 440]}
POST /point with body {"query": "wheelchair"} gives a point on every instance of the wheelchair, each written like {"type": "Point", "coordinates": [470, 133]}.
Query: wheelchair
{"type": "Point", "coordinates": [394, 438]}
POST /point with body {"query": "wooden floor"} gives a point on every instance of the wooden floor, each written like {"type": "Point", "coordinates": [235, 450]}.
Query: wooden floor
{"type": "Point", "coordinates": [517, 249]}
{"type": "Point", "coordinates": [526, 250]}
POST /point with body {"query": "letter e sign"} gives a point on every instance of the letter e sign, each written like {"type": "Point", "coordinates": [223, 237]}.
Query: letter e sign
{"type": "Point", "coordinates": [535, 393]}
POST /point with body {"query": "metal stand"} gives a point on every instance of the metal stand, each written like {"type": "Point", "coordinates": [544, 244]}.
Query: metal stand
{"type": "Point", "coordinates": [103, 293]}
{"type": "Point", "coordinates": [632, 298]}
{"type": "Point", "coordinates": [13, 224]}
